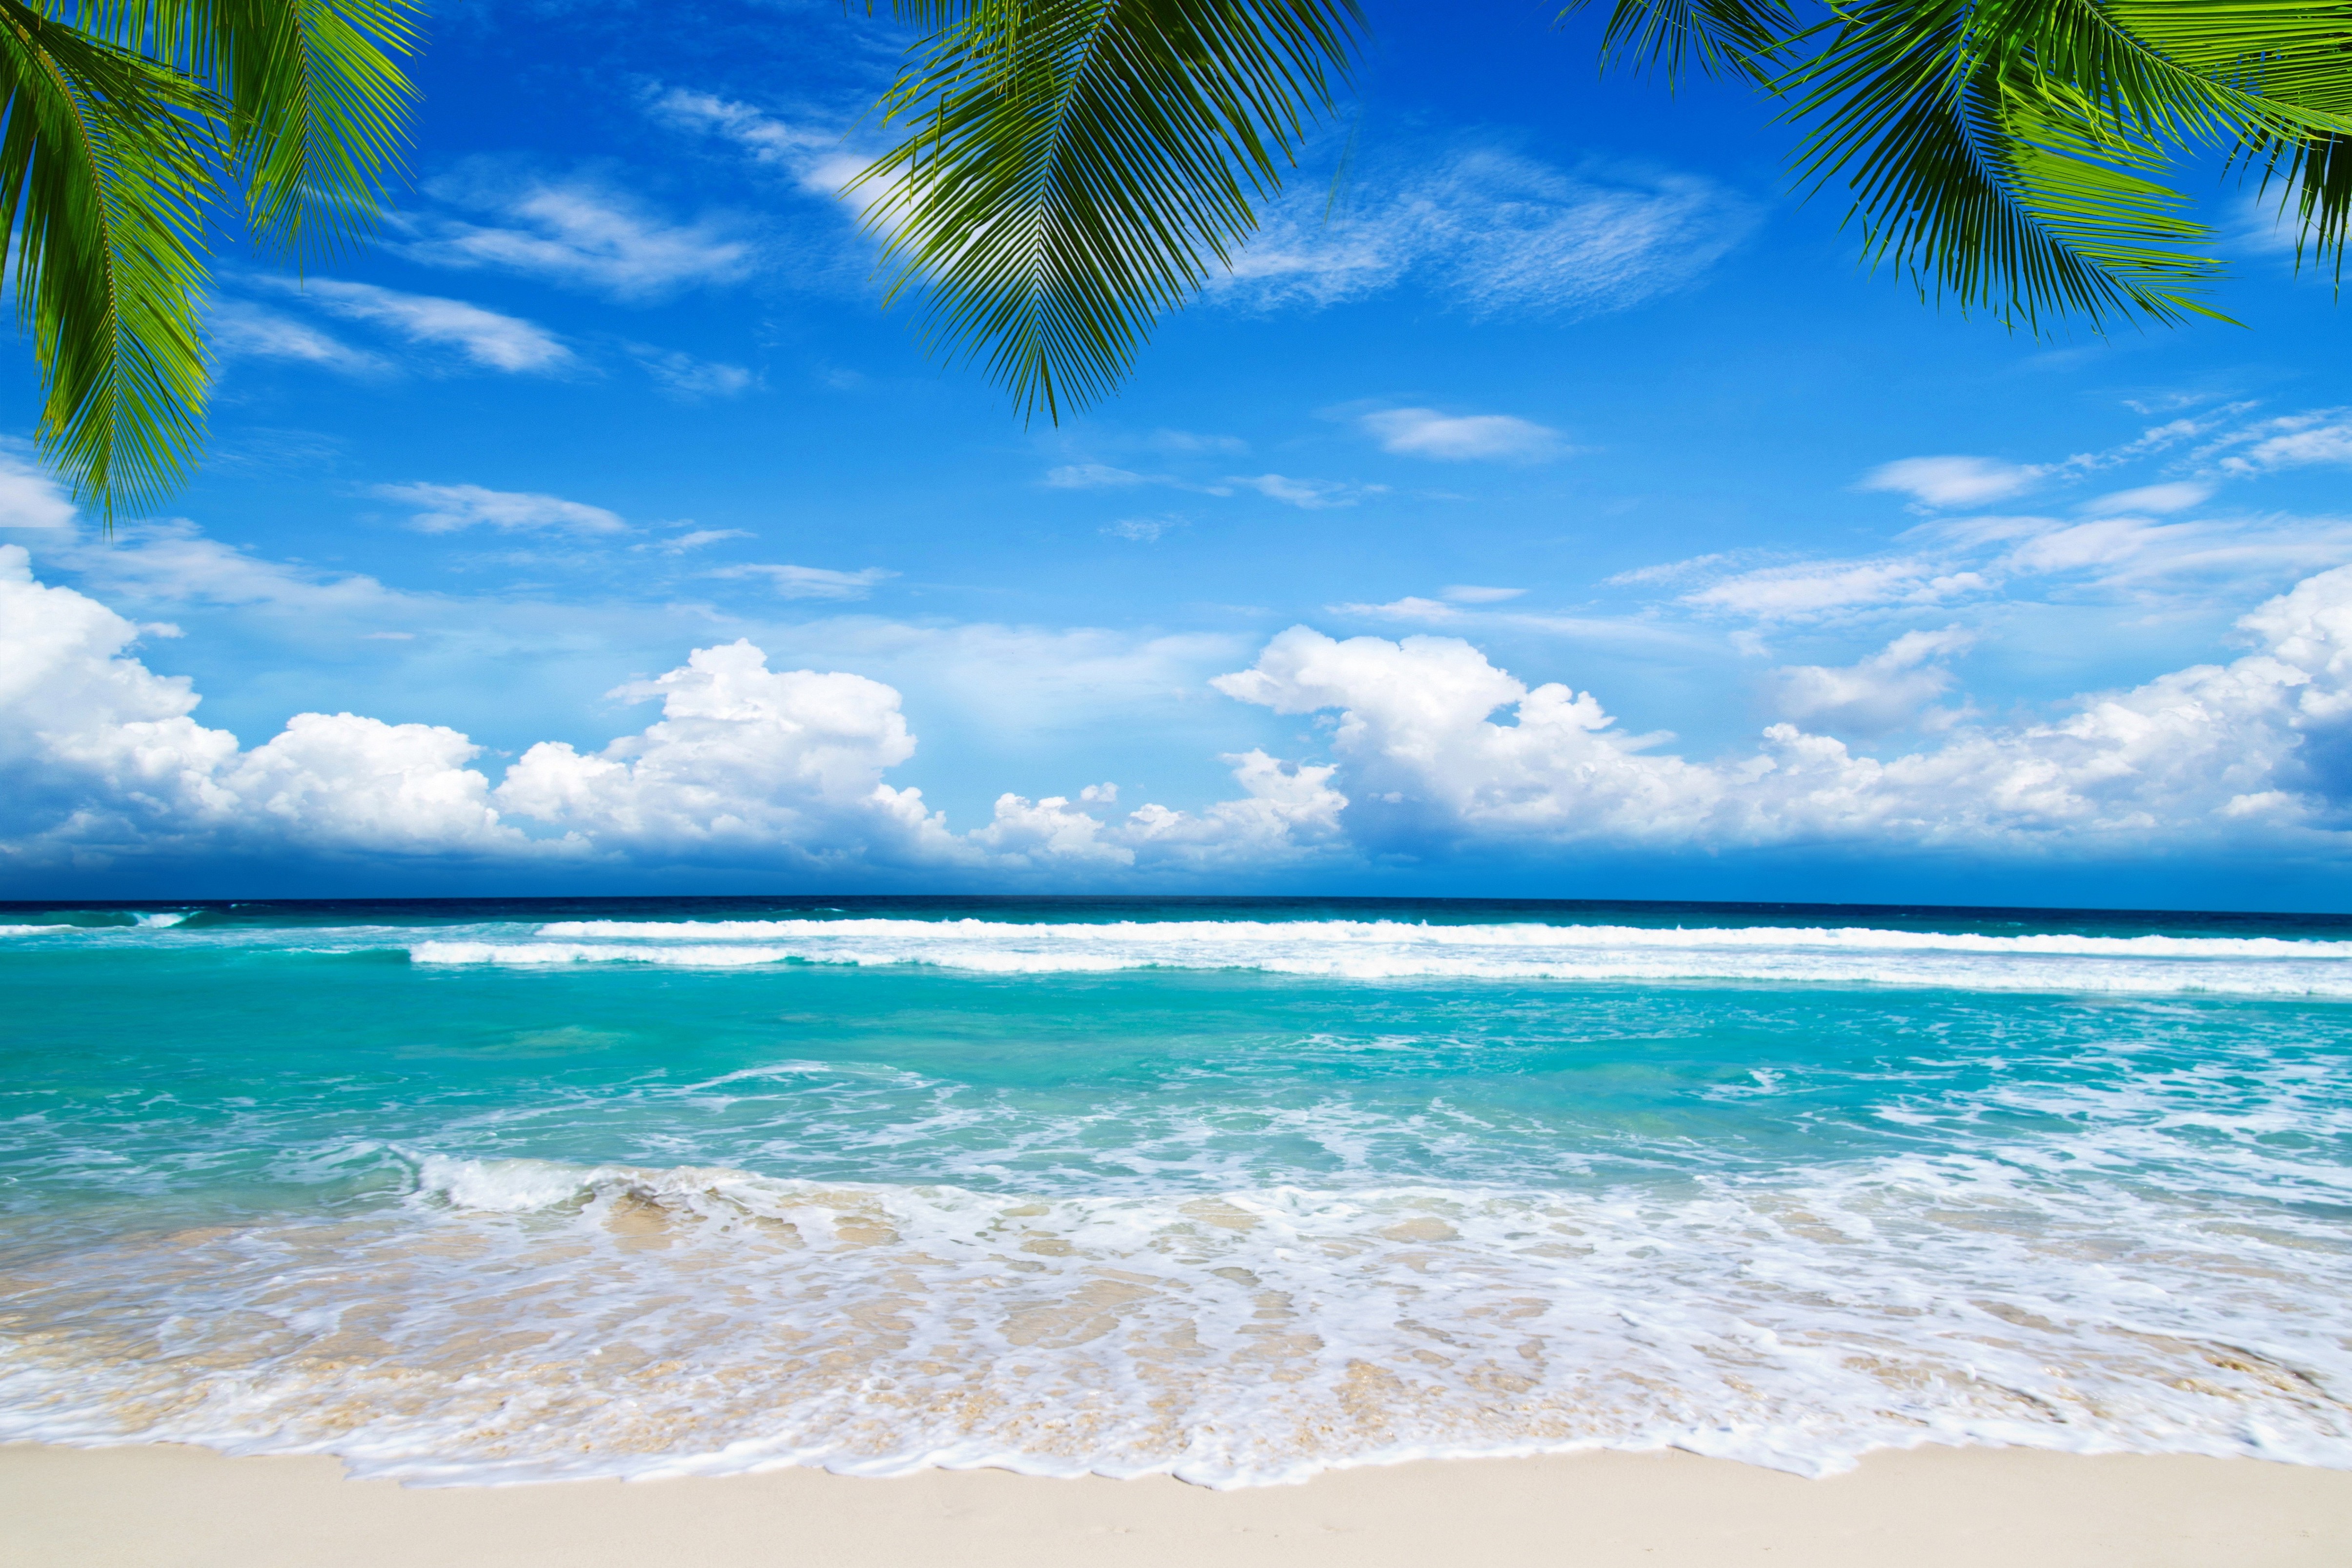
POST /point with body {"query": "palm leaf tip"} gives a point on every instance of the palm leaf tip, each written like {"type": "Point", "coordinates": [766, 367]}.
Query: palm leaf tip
{"type": "Point", "coordinates": [1071, 168]}
{"type": "Point", "coordinates": [107, 163]}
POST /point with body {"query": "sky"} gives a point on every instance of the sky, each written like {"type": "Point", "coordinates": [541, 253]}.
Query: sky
{"type": "Point", "coordinates": [1549, 504]}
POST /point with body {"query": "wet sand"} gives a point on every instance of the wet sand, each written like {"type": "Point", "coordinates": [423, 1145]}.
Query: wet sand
{"type": "Point", "coordinates": [167, 1507]}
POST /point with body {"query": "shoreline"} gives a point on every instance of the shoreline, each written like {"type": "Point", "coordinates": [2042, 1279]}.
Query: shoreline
{"type": "Point", "coordinates": [168, 1506]}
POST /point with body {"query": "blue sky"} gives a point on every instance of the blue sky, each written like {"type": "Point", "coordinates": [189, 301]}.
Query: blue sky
{"type": "Point", "coordinates": [1850, 596]}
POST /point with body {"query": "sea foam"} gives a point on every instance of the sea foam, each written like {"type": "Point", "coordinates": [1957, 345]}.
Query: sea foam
{"type": "Point", "coordinates": [1378, 949]}
{"type": "Point", "coordinates": [527, 1319]}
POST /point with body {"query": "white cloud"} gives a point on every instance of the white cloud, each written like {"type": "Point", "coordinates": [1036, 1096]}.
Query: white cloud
{"type": "Point", "coordinates": [1884, 692]}
{"type": "Point", "coordinates": [1471, 594]}
{"type": "Point", "coordinates": [445, 508]}
{"type": "Point", "coordinates": [680, 543]}
{"type": "Point", "coordinates": [100, 757]}
{"type": "Point", "coordinates": [742, 755]}
{"type": "Point", "coordinates": [1411, 609]}
{"type": "Point", "coordinates": [765, 137]}
{"type": "Point", "coordinates": [1314, 495]}
{"type": "Point", "coordinates": [689, 378]}
{"type": "Point", "coordinates": [1432, 746]}
{"type": "Point", "coordinates": [31, 499]}
{"type": "Point", "coordinates": [577, 232]}
{"type": "Point", "coordinates": [809, 582]}
{"type": "Point", "coordinates": [1195, 441]}
{"type": "Point", "coordinates": [1817, 588]}
{"type": "Point", "coordinates": [1096, 477]}
{"type": "Point", "coordinates": [173, 563]}
{"type": "Point", "coordinates": [2207, 753]}
{"type": "Point", "coordinates": [1953, 481]}
{"type": "Point", "coordinates": [1499, 233]}
{"type": "Point", "coordinates": [239, 329]}
{"type": "Point", "coordinates": [2294, 441]}
{"type": "Point", "coordinates": [484, 337]}
{"type": "Point", "coordinates": [98, 752]}
{"type": "Point", "coordinates": [1425, 433]}
{"type": "Point", "coordinates": [2179, 495]}
{"type": "Point", "coordinates": [1143, 529]}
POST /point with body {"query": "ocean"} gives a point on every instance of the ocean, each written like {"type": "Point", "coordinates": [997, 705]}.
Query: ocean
{"type": "Point", "coordinates": [480, 1191]}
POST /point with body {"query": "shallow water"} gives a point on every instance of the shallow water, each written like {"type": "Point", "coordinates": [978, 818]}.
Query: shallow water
{"type": "Point", "coordinates": [1236, 1190]}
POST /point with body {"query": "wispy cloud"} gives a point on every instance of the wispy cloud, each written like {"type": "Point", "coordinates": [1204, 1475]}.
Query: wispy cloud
{"type": "Point", "coordinates": [1954, 481]}
{"type": "Point", "coordinates": [1106, 476]}
{"type": "Point", "coordinates": [1472, 594]}
{"type": "Point", "coordinates": [31, 499]}
{"type": "Point", "coordinates": [577, 232]}
{"type": "Point", "coordinates": [680, 543]}
{"type": "Point", "coordinates": [484, 337]}
{"type": "Point", "coordinates": [809, 582]}
{"type": "Point", "coordinates": [1426, 433]}
{"type": "Point", "coordinates": [2294, 441]}
{"type": "Point", "coordinates": [445, 508]}
{"type": "Point", "coordinates": [1499, 233]}
{"type": "Point", "coordinates": [241, 329]}
{"type": "Point", "coordinates": [1810, 589]}
{"type": "Point", "coordinates": [2177, 496]}
{"type": "Point", "coordinates": [1314, 495]}
{"type": "Point", "coordinates": [1096, 477]}
{"type": "Point", "coordinates": [689, 379]}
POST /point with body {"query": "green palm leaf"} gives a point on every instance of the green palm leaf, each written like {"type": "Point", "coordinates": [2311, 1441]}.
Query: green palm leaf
{"type": "Point", "coordinates": [1075, 167]}
{"type": "Point", "coordinates": [318, 107]}
{"type": "Point", "coordinates": [123, 126]}
{"type": "Point", "coordinates": [2288, 54]}
{"type": "Point", "coordinates": [106, 164]}
{"type": "Point", "coordinates": [1719, 37]}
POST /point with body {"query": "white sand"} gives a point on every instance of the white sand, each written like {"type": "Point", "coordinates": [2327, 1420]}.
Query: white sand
{"type": "Point", "coordinates": [166, 1507]}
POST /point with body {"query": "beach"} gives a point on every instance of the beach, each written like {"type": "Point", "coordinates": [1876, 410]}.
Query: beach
{"type": "Point", "coordinates": [942, 1231]}
{"type": "Point", "coordinates": [167, 1507]}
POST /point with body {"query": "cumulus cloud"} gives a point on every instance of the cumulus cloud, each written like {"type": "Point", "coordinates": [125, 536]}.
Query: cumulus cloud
{"type": "Point", "coordinates": [100, 756]}
{"type": "Point", "coordinates": [484, 337]}
{"type": "Point", "coordinates": [1432, 746]}
{"type": "Point", "coordinates": [1889, 690]}
{"type": "Point", "coordinates": [98, 752]}
{"type": "Point", "coordinates": [1425, 433]}
{"type": "Point", "coordinates": [1953, 481]}
{"type": "Point", "coordinates": [577, 232]}
{"type": "Point", "coordinates": [1500, 234]}
{"type": "Point", "coordinates": [741, 755]}
{"type": "Point", "coordinates": [2208, 752]}
{"type": "Point", "coordinates": [445, 508]}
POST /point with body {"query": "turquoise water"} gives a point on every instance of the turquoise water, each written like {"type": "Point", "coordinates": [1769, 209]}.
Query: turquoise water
{"type": "Point", "coordinates": [1238, 1190]}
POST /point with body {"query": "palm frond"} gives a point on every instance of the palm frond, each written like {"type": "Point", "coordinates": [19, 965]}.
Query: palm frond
{"type": "Point", "coordinates": [1719, 37]}
{"type": "Point", "coordinates": [1072, 168]}
{"type": "Point", "coordinates": [2290, 54]}
{"type": "Point", "coordinates": [106, 163]}
{"type": "Point", "coordinates": [2003, 153]}
{"type": "Point", "coordinates": [318, 105]}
